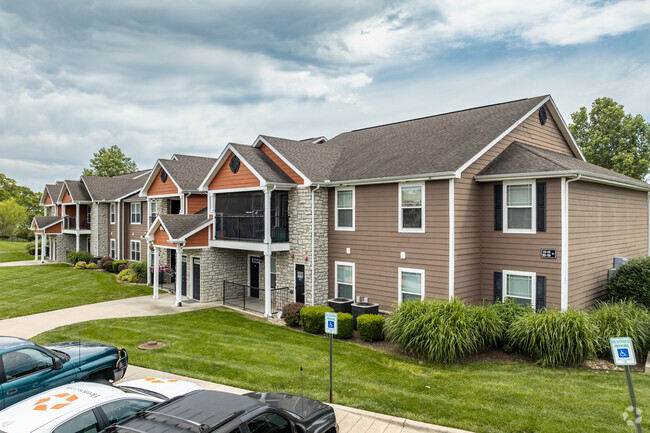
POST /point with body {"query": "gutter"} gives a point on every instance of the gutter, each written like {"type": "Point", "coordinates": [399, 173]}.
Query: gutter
{"type": "Point", "coordinates": [564, 271]}
{"type": "Point", "coordinates": [564, 173]}
{"type": "Point", "coordinates": [412, 178]}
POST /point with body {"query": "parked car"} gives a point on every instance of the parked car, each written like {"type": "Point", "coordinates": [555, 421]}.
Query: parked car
{"type": "Point", "coordinates": [221, 412]}
{"type": "Point", "coordinates": [27, 368]}
{"type": "Point", "coordinates": [86, 406]}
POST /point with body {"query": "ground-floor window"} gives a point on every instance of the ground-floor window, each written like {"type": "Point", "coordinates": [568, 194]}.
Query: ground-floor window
{"type": "Point", "coordinates": [411, 284]}
{"type": "Point", "coordinates": [135, 251]}
{"type": "Point", "coordinates": [344, 280]}
{"type": "Point", "coordinates": [112, 249]}
{"type": "Point", "coordinates": [520, 286]}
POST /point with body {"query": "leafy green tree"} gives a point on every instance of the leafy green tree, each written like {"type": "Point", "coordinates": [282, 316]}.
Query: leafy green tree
{"type": "Point", "coordinates": [24, 197]}
{"type": "Point", "coordinates": [612, 139]}
{"type": "Point", "coordinates": [110, 162]}
{"type": "Point", "coordinates": [12, 216]}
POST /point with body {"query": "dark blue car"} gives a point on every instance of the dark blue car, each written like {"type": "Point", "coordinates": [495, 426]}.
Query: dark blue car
{"type": "Point", "coordinates": [27, 368]}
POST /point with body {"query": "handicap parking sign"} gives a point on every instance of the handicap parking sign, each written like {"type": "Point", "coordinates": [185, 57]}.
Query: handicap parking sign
{"type": "Point", "coordinates": [331, 323]}
{"type": "Point", "coordinates": [622, 351]}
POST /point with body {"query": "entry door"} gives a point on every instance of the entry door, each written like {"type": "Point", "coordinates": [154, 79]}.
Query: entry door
{"type": "Point", "coordinates": [300, 283]}
{"type": "Point", "coordinates": [196, 278]}
{"type": "Point", "coordinates": [255, 277]}
{"type": "Point", "coordinates": [184, 277]}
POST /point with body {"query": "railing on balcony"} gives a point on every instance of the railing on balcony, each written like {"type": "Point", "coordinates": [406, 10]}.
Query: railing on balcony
{"type": "Point", "coordinates": [237, 295]}
{"type": "Point", "coordinates": [70, 223]}
{"type": "Point", "coordinates": [250, 228]}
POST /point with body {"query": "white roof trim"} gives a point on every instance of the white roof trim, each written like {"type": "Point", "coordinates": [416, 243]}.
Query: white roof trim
{"type": "Point", "coordinates": [261, 139]}
{"type": "Point", "coordinates": [207, 223]}
{"type": "Point", "coordinates": [205, 185]}
{"type": "Point", "coordinates": [392, 179]}
{"type": "Point", "coordinates": [152, 177]}
{"type": "Point", "coordinates": [586, 176]}
{"type": "Point", "coordinates": [564, 129]}
{"type": "Point", "coordinates": [482, 152]}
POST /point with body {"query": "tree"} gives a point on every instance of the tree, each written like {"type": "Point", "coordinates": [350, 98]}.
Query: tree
{"type": "Point", "coordinates": [612, 139]}
{"type": "Point", "coordinates": [12, 216]}
{"type": "Point", "coordinates": [24, 197]}
{"type": "Point", "coordinates": [110, 162]}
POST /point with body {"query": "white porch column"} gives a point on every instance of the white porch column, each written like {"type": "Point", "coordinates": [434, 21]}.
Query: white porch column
{"type": "Point", "coordinates": [179, 279]}
{"type": "Point", "coordinates": [43, 243]}
{"type": "Point", "coordinates": [149, 244]}
{"type": "Point", "coordinates": [267, 253]}
{"type": "Point", "coordinates": [156, 275]}
{"type": "Point", "coordinates": [35, 246]}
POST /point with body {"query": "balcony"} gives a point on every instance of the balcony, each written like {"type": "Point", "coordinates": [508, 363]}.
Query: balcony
{"type": "Point", "coordinates": [70, 223]}
{"type": "Point", "coordinates": [250, 228]}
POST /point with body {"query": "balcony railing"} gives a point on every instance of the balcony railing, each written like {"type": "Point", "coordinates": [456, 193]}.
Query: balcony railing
{"type": "Point", "coordinates": [70, 223]}
{"type": "Point", "coordinates": [250, 228]}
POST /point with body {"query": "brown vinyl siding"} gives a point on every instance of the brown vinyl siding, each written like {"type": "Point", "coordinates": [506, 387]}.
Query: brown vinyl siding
{"type": "Point", "coordinates": [521, 251]}
{"type": "Point", "coordinates": [159, 188]}
{"type": "Point", "coordinates": [199, 239]}
{"type": "Point", "coordinates": [283, 165]}
{"type": "Point", "coordinates": [67, 198]}
{"type": "Point", "coordinates": [604, 222]}
{"type": "Point", "coordinates": [134, 232]}
{"type": "Point", "coordinates": [196, 203]}
{"type": "Point", "coordinates": [161, 238]}
{"type": "Point", "coordinates": [226, 179]}
{"type": "Point", "coordinates": [467, 198]}
{"type": "Point", "coordinates": [48, 200]}
{"type": "Point", "coordinates": [375, 245]}
{"type": "Point", "coordinates": [55, 229]}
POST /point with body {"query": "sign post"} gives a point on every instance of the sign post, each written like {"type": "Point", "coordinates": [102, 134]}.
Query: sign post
{"type": "Point", "coordinates": [331, 328]}
{"type": "Point", "coordinates": [623, 354]}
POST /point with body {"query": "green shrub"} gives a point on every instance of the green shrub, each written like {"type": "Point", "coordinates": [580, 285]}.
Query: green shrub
{"type": "Point", "coordinates": [442, 331]}
{"type": "Point", "coordinates": [108, 265]}
{"type": "Point", "coordinates": [345, 324]}
{"type": "Point", "coordinates": [312, 319]}
{"type": "Point", "coordinates": [371, 327]}
{"type": "Point", "coordinates": [291, 313]}
{"type": "Point", "coordinates": [91, 266]}
{"type": "Point", "coordinates": [621, 319]}
{"type": "Point", "coordinates": [80, 265]}
{"type": "Point", "coordinates": [78, 256]}
{"type": "Point", "coordinates": [31, 250]}
{"type": "Point", "coordinates": [116, 266]}
{"type": "Point", "coordinates": [121, 267]}
{"type": "Point", "coordinates": [632, 282]}
{"type": "Point", "coordinates": [554, 337]}
{"type": "Point", "coordinates": [140, 271]}
{"type": "Point", "coordinates": [126, 275]}
{"type": "Point", "coordinates": [104, 260]}
{"type": "Point", "coordinates": [508, 311]}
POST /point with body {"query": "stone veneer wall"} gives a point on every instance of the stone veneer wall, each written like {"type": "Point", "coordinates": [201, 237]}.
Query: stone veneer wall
{"type": "Point", "coordinates": [217, 265]}
{"type": "Point", "coordinates": [162, 207]}
{"type": "Point", "coordinates": [64, 244]}
{"type": "Point", "coordinates": [99, 246]}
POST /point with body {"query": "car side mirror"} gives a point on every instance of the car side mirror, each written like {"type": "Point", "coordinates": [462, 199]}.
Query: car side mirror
{"type": "Point", "coordinates": [298, 428]}
{"type": "Point", "coordinates": [58, 364]}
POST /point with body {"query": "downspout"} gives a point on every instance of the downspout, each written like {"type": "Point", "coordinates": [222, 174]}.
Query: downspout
{"type": "Point", "coordinates": [118, 247]}
{"type": "Point", "coordinates": [313, 231]}
{"type": "Point", "coordinates": [564, 284]}
{"type": "Point", "coordinates": [187, 202]}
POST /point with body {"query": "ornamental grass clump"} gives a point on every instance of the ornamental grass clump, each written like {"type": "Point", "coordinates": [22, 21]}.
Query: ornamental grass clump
{"type": "Point", "coordinates": [442, 331]}
{"type": "Point", "coordinates": [621, 319]}
{"type": "Point", "coordinates": [508, 311]}
{"type": "Point", "coordinates": [554, 337]}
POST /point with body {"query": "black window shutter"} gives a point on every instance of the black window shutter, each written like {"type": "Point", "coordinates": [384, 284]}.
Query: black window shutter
{"type": "Point", "coordinates": [541, 206]}
{"type": "Point", "coordinates": [498, 287]}
{"type": "Point", "coordinates": [498, 207]}
{"type": "Point", "coordinates": [540, 295]}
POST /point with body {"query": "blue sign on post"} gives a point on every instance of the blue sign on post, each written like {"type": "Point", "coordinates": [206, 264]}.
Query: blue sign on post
{"type": "Point", "coordinates": [622, 351]}
{"type": "Point", "coordinates": [331, 323]}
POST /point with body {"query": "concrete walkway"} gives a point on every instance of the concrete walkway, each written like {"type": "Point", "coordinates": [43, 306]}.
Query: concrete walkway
{"type": "Point", "coordinates": [27, 263]}
{"type": "Point", "coordinates": [29, 326]}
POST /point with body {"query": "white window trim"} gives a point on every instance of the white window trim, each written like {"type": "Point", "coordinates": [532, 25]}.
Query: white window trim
{"type": "Point", "coordinates": [132, 214]}
{"type": "Point", "coordinates": [139, 250]}
{"type": "Point", "coordinates": [399, 208]}
{"type": "Point", "coordinates": [336, 208]}
{"type": "Point", "coordinates": [533, 217]}
{"type": "Point", "coordinates": [112, 249]}
{"type": "Point", "coordinates": [336, 278]}
{"type": "Point", "coordinates": [112, 214]}
{"type": "Point", "coordinates": [533, 288]}
{"type": "Point", "coordinates": [399, 282]}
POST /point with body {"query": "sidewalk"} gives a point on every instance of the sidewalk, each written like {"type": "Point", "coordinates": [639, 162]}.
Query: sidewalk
{"type": "Point", "coordinates": [27, 263]}
{"type": "Point", "coordinates": [350, 420]}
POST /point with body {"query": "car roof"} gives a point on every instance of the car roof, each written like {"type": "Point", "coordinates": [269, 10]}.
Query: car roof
{"type": "Point", "coordinates": [210, 408]}
{"type": "Point", "coordinates": [59, 404]}
{"type": "Point", "coordinates": [7, 343]}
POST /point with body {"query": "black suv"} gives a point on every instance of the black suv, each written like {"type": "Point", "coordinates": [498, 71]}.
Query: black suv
{"type": "Point", "coordinates": [219, 412]}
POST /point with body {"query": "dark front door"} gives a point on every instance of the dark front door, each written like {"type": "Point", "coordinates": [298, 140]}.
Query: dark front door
{"type": "Point", "coordinates": [184, 277]}
{"type": "Point", "coordinates": [255, 277]}
{"type": "Point", "coordinates": [300, 283]}
{"type": "Point", "coordinates": [196, 278]}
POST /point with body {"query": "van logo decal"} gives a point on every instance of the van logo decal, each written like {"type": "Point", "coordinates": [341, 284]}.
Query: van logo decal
{"type": "Point", "coordinates": [44, 403]}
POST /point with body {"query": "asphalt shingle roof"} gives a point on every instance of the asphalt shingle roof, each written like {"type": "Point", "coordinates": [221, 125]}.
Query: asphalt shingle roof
{"type": "Point", "coordinates": [46, 221]}
{"type": "Point", "coordinates": [523, 158]}
{"type": "Point", "coordinates": [188, 171]}
{"type": "Point", "coordinates": [54, 190]}
{"type": "Point", "coordinates": [179, 225]}
{"type": "Point", "coordinates": [77, 190]}
{"type": "Point", "coordinates": [112, 188]}
{"type": "Point", "coordinates": [262, 164]}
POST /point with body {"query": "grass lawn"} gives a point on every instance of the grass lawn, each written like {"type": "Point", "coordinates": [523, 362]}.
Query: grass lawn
{"type": "Point", "coordinates": [14, 251]}
{"type": "Point", "coordinates": [225, 347]}
{"type": "Point", "coordinates": [34, 289]}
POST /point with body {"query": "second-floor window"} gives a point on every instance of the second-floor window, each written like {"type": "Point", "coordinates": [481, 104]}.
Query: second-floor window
{"type": "Point", "coordinates": [519, 205]}
{"type": "Point", "coordinates": [135, 251]}
{"type": "Point", "coordinates": [344, 209]}
{"type": "Point", "coordinates": [136, 213]}
{"type": "Point", "coordinates": [112, 213]}
{"type": "Point", "coordinates": [411, 207]}
{"type": "Point", "coordinates": [153, 208]}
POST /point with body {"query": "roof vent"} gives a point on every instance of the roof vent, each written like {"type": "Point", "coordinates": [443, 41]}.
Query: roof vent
{"type": "Point", "coordinates": [234, 164]}
{"type": "Point", "coordinates": [163, 176]}
{"type": "Point", "coordinates": [542, 115]}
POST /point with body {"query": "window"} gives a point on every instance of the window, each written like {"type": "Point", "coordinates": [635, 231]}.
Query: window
{"type": "Point", "coordinates": [519, 204]}
{"type": "Point", "coordinates": [84, 423]}
{"type": "Point", "coordinates": [273, 272]}
{"type": "Point", "coordinates": [135, 251]}
{"type": "Point", "coordinates": [116, 411]}
{"type": "Point", "coordinates": [269, 423]}
{"type": "Point", "coordinates": [411, 207]}
{"type": "Point", "coordinates": [411, 285]}
{"type": "Point", "coordinates": [136, 213]}
{"type": "Point", "coordinates": [344, 280]}
{"type": "Point", "coordinates": [23, 362]}
{"type": "Point", "coordinates": [520, 286]}
{"type": "Point", "coordinates": [112, 213]}
{"type": "Point", "coordinates": [344, 209]}
{"type": "Point", "coordinates": [112, 248]}
{"type": "Point", "coordinates": [153, 211]}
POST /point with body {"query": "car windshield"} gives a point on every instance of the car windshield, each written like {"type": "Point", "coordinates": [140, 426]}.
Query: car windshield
{"type": "Point", "coordinates": [56, 353]}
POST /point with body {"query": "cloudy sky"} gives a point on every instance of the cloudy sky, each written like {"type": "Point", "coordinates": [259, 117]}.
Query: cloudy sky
{"type": "Point", "coordinates": [159, 77]}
